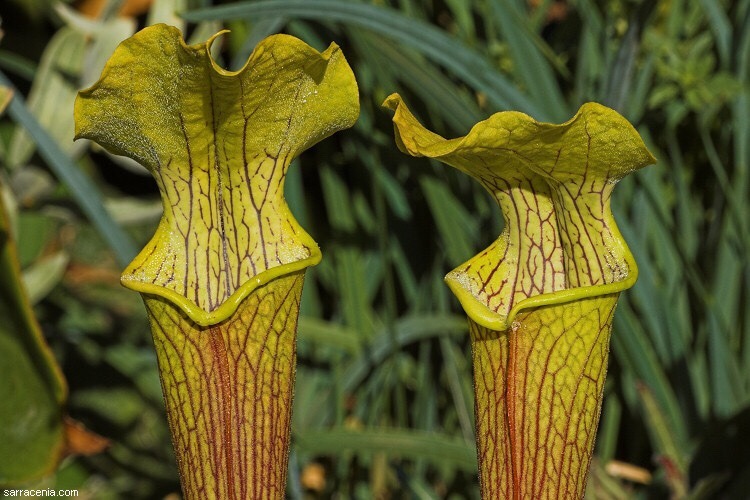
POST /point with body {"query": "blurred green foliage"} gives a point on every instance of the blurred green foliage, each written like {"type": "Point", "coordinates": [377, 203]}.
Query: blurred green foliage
{"type": "Point", "coordinates": [32, 388]}
{"type": "Point", "coordinates": [384, 401]}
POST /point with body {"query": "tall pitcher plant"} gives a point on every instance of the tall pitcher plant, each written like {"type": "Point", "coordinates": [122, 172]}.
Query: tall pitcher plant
{"type": "Point", "coordinates": [540, 299]}
{"type": "Point", "coordinates": [222, 277]}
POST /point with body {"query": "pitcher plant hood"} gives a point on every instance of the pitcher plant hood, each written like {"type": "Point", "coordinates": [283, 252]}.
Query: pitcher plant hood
{"type": "Point", "coordinates": [218, 144]}
{"type": "Point", "coordinates": [553, 183]}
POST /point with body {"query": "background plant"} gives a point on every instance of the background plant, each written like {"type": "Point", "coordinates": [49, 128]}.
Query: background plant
{"type": "Point", "coordinates": [384, 401]}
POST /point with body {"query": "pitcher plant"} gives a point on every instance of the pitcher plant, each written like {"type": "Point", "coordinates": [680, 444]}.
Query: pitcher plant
{"type": "Point", "coordinates": [541, 298]}
{"type": "Point", "coordinates": [222, 277]}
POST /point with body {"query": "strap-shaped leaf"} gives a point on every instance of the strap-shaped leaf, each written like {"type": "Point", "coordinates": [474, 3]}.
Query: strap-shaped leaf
{"type": "Point", "coordinates": [32, 389]}
{"type": "Point", "coordinates": [553, 184]}
{"type": "Point", "coordinates": [218, 144]}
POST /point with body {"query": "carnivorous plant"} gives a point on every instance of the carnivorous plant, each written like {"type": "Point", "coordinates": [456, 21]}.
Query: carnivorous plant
{"type": "Point", "coordinates": [222, 277]}
{"type": "Point", "coordinates": [541, 298]}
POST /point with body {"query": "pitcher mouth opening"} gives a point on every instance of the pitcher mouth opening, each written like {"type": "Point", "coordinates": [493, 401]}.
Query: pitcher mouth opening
{"type": "Point", "coordinates": [227, 308]}
{"type": "Point", "coordinates": [479, 312]}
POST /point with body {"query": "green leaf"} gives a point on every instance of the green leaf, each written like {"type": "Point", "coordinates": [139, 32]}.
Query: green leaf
{"type": "Point", "coordinates": [722, 28]}
{"type": "Point", "coordinates": [32, 388]}
{"type": "Point", "coordinates": [457, 228]}
{"type": "Point", "coordinates": [330, 334]}
{"type": "Point", "coordinates": [532, 67]}
{"type": "Point", "coordinates": [19, 65]}
{"type": "Point", "coordinates": [470, 66]}
{"type": "Point", "coordinates": [167, 12]}
{"type": "Point", "coordinates": [437, 448]}
{"type": "Point", "coordinates": [406, 330]}
{"type": "Point", "coordinates": [51, 97]}
{"type": "Point", "coordinates": [665, 443]}
{"type": "Point", "coordinates": [43, 275]}
{"type": "Point", "coordinates": [82, 189]}
{"type": "Point", "coordinates": [337, 199]}
{"type": "Point", "coordinates": [352, 281]}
